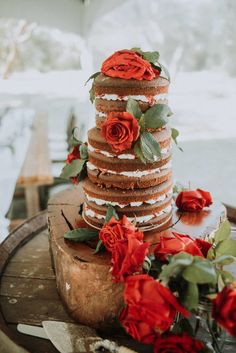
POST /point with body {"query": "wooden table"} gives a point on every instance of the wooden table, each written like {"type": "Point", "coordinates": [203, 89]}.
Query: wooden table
{"type": "Point", "coordinates": [28, 289]}
{"type": "Point", "coordinates": [36, 170]}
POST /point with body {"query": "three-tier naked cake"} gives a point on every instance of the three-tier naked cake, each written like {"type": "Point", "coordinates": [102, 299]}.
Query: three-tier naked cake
{"type": "Point", "coordinates": [141, 191]}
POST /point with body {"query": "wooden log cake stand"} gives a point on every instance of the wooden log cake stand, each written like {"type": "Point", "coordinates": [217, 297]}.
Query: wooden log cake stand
{"type": "Point", "coordinates": [83, 279]}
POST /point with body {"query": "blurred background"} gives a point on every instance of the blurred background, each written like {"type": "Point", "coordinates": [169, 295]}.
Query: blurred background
{"type": "Point", "coordinates": [50, 47]}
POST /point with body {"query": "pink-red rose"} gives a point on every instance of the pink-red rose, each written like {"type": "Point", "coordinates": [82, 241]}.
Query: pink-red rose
{"type": "Point", "coordinates": [127, 257]}
{"type": "Point", "coordinates": [176, 243]}
{"type": "Point", "coordinates": [178, 344]}
{"type": "Point", "coordinates": [128, 64]}
{"type": "Point", "coordinates": [193, 200]}
{"type": "Point", "coordinates": [120, 130]}
{"type": "Point", "coordinates": [224, 309]}
{"type": "Point", "coordinates": [116, 230]}
{"type": "Point", "coordinates": [149, 302]}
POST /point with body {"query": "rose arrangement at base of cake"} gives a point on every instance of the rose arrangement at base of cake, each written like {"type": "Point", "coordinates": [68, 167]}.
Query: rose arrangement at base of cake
{"type": "Point", "coordinates": [175, 286]}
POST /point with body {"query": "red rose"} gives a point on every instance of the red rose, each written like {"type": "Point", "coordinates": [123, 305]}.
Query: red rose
{"type": "Point", "coordinates": [224, 309]}
{"type": "Point", "coordinates": [128, 257]}
{"type": "Point", "coordinates": [171, 245]}
{"type": "Point", "coordinates": [150, 302]}
{"type": "Point", "coordinates": [128, 64]}
{"type": "Point", "coordinates": [120, 130]}
{"type": "Point", "coordinates": [203, 245]}
{"type": "Point", "coordinates": [193, 200]}
{"type": "Point", "coordinates": [74, 154]}
{"type": "Point", "coordinates": [178, 344]}
{"type": "Point", "coordinates": [139, 330]}
{"type": "Point", "coordinates": [116, 230]}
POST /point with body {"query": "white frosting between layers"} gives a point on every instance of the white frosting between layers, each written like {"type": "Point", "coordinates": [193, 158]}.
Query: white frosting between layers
{"type": "Point", "coordinates": [142, 98]}
{"type": "Point", "coordinates": [101, 202]}
{"type": "Point", "coordinates": [101, 114]}
{"type": "Point", "coordinates": [90, 213]}
{"type": "Point", "coordinates": [135, 174]}
{"type": "Point", "coordinates": [164, 151]}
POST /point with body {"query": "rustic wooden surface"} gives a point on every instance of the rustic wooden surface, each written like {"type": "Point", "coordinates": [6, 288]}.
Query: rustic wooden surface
{"type": "Point", "coordinates": [28, 289]}
{"type": "Point", "coordinates": [36, 169]}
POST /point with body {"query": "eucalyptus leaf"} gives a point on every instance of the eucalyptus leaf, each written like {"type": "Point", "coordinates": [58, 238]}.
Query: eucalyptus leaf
{"type": "Point", "coordinates": [165, 71]}
{"type": "Point", "coordinates": [149, 146]}
{"type": "Point", "coordinates": [223, 232]}
{"type": "Point", "coordinates": [83, 149]}
{"type": "Point", "coordinates": [226, 247]}
{"type": "Point", "coordinates": [224, 260]}
{"type": "Point", "coordinates": [133, 108]}
{"type": "Point", "coordinates": [81, 234]}
{"type": "Point", "coordinates": [191, 296]}
{"type": "Point", "coordinates": [174, 135]}
{"type": "Point", "coordinates": [201, 271]}
{"type": "Point", "coordinates": [92, 77]}
{"type": "Point", "coordinates": [151, 56]}
{"type": "Point", "coordinates": [100, 246]}
{"type": "Point", "coordinates": [157, 116]}
{"type": "Point", "coordinates": [110, 213]}
{"type": "Point", "coordinates": [72, 169]}
{"type": "Point", "coordinates": [138, 152]}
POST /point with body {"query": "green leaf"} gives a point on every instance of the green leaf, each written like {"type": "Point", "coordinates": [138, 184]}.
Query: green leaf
{"type": "Point", "coordinates": [226, 247]}
{"type": "Point", "coordinates": [223, 232]}
{"type": "Point", "coordinates": [151, 56]}
{"type": "Point", "coordinates": [83, 149]}
{"type": "Point", "coordinates": [72, 169]}
{"type": "Point", "coordinates": [110, 212]}
{"type": "Point", "coordinates": [149, 146]}
{"type": "Point", "coordinates": [177, 264]}
{"type": "Point", "coordinates": [165, 71]}
{"type": "Point", "coordinates": [224, 260]}
{"type": "Point", "coordinates": [92, 77]}
{"type": "Point", "coordinates": [83, 173]}
{"type": "Point", "coordinates": [201, 271]}
{"type": "Point", "coordinates": [100, 246]}
{"type": "Point", "coordinates": [174, 135]}
{"type": "Point", "coordinates": [133, 108]}
{"type": "Point", "coordinates": [156, 116]}
{"type": "Point", "coordinates": [137, 50]}
{"type": "Point", "coordinates": [191, 296]}
{"type": "Point", "coordinates": [74, 140]}
{"type": "Point", "coordinates": [138, 152]}
{"type": "Point", "coordinates": [227, 277]}
{"type": "Point", "coordinates": [81, 234]}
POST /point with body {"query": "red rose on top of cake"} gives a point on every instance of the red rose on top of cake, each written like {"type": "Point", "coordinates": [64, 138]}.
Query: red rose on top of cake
{"type": "Point", "coordinates": [193, 200]}
{"type": "Point", "coordinates": [128, 64]}
{"type": "Point", "coordinates": [120, 130]}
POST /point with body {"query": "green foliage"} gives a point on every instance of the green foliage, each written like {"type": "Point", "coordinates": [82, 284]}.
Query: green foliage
{"type": "Point", "coordinates": [72, 169]}
{"type": "Point", "coordinates": [156, 116]}
{"type": "Point", "coordinates": [223, 232]}
{"type": "Point", "coordinates": [81, 234]}
{"type": "Point", "coordinates": [93, 76]}
{"type": "Point", "coordinates": [191, 296]}
{"type": "Point", "coordinates": [83, 149]}
{"type": "Point", "coordinates": [201, 271]}
{"type": "Point", "coordinates": [149, 146]}
{"type": "Point", "coordinates": [174, 135]}
{"type": "Point", "coordinates": [111, 212]}
{"type": "Point", "coordinates": [100, 247]}
{"type": "Point", "coordinates": [74, 141]}
{"type": "Point", "coordinates": [138, 152]}
{"type": "Point", "coordinates": [133, 108]}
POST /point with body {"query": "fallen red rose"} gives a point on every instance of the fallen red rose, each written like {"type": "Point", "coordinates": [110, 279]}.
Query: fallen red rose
{"type": "Point", "coordinates": [178, 344]}
{"type": "Point", "coordinates": [116, 230]}
{"type": "Point", "coordinates": [127, 257]}
{"type": "Point", "coordinates": [120, 130]}
{"type": "Point", "coordinates": [171, 245]}
{"type": "Point", "coordinates": [128, 64]}
{"type": "Point", "coordinates": [224, 309]}
{"type": "Point", "coordinates": [193, 200]}
{"type": "Point", "coordinates": [150, 302]}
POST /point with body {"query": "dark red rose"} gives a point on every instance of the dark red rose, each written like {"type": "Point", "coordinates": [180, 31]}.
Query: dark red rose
{"type": "Point", "coordinates": [116, 230]}
{"type": "Point", "coordinates": [203, 245]}
{"type": "Point", "coordinates": [128, 64]}
{"type": "Point", "coordinates": [150, 302]}
{"type": "Point", "coordinates": [74, 154]}
{"type": "Point", "coordinates": [178, 344]}
{"type": "Point", "coordinates": [127, 257]}
{"type": "Point", "coordinates": [139, 330]}
{"type": "Point", "coordinates": [224, 309]}
{"type": "Point", "coordinates": [171, 245]}
{"type": "Point", "coordinates": [193, 200]}
{"type": "Point", "coordinates": [120, 130]}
